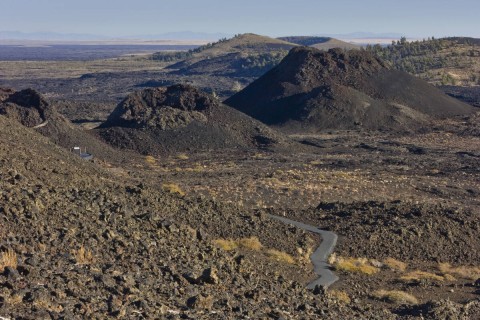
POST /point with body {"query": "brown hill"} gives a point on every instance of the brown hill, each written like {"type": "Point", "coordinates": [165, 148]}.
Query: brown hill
{"type": "Point", "coordinates": [311, 90]}
{"type": "Point", "coordinates": [445, 61]}
{"type": "Point", "coordinates": [320, 43]}
{"type": "Point", "coordinates": [181, 118]}
{"type": "Point", "coordinates": [246, 55]}
{"type": "Point", "coordinates": [27, 107]}
{"type": "Point", "coordinates": [242, 43]}
{"type": "Point", "coordinates": [32, 110]}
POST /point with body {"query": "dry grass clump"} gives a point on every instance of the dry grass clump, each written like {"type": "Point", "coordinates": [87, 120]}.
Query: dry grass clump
{"type": "Point", "coordinates": [304, 255]}
{"type": "Point", "coordinates": [182, 156]}
{"type": "Point", "coordinates": [449, 277]}
{"type": "Point", "coordinates": [8, 259]}
{"type": "Point", "coordinates": [150, 160]}
{"type": "Point", "coordinates": [14, 300]}
{"type": "Point", "coordinates": [395, 296]}
{"type": "Point", "coordinates": [361, 265]}
{"type": "Point", "coordinates": [226, 244]}
{"type": "Point", "coordinates": [251, 243]}
{"type": "Point", "coordinates": [173, 188]}
{"type": "Point", "coordinates": [395, 264]}
{"type": "Point", "coordinates": [419, 275]}
{"type": "Point", "coordinates": [467, 272]}
{"type": "Point", "coordinates": [83, 256]}
{"type": "Point", "coordinates": [196, 168]}
{"type": "Point", "coordinates": [341, 296]}
{"type": "Point", "coordinates": [280, 256]}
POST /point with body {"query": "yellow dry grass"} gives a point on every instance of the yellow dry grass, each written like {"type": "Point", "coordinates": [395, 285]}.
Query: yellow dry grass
{"type": "Point", "coordinates": [196, 168]}
{"type": "Point", "coordinates": [468, 272]}
{"type": "Point", "coordinates": [150, 160]}
{"type": "Point", "coordinates": [8, 259]}
{"type": "Point", "coordinates": [304, 255]}
{"type": "Point", "coordinates": [395, 264]}
{"type": "Point", "coordinates": [182, 156]}
{"type": "Point", "coordinates": [419, 275]}
{"type": "Point", "coordinates": [395, 296]}
{"type": "Point", "coordinates": [83, 256]}
{"type": "Point", "coordinates": [251, 243]}
{"type": "Point", "coordinates": [280, 256]}
{"type": "Point", "coordinates": [173, 188]}
{"type": "Point", "coordinates": [341, 296]}
{"type": "Point", "coordinates": [360, 265]}
{"type": "Point", "coordinates": [226, 244]}
{"type": "Point", "coordinates": [14, 299]}
{"type": "Point", "coordinates": [449, 277]}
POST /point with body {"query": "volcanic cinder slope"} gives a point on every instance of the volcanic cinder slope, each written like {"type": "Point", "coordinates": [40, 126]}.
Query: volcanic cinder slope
{"type": "Point", "coordinates": [311, 90]}
{"type": "Point", "coordinates": [32, 110]}
{"type": "Point", "coordinates": [83, 243]}
{"type": "Point", "coordinates": [181, 118]}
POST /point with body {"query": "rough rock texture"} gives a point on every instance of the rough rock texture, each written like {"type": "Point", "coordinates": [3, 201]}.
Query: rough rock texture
{"type": "Point", "coordinates": [176, 106]}
{"type": "Point", "coordinates": [443, 309]}
{"type": "Point", "coordinates": [311, 90]}
{"type": "Point", "coordinates": [5, 93]}
{"type": "Point", "coordinates": [89, 244]}
{"type": "Point", "coordinates": [32, 110]}
{"type": "Point", "coordinates": [396, 228]}
{"type": "Point", "coordinates": [27, 106]}
{"type": "Point", "coordinates": [182, 118]}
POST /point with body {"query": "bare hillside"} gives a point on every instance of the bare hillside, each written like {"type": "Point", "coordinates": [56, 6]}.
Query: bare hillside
{"type": "Point", "coordinates": [321, 43]}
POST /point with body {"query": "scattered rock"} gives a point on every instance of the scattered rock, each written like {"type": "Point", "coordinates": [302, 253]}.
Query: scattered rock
{"type": "Point", "coordinates": [200, 302]}
{"type": "Point", "coordinates": [209, 276]}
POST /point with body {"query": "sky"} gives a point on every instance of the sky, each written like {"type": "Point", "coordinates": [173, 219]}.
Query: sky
{"type": "Point", "coordinates": [412, 18]}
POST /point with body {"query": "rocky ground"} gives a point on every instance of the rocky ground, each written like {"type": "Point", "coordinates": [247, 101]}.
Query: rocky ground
{"type": "Point", "coordinates": [91, 240]}
{"type": "Point", "coordinates": [78, 241]}
{"type": "Point", "coordinates": [415, 200]}
{"type": "Point", "coordinates": [185, 235]}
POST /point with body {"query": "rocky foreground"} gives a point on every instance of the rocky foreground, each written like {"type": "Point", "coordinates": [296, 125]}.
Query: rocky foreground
{"type": "Point", "coordinates": [81, 242]}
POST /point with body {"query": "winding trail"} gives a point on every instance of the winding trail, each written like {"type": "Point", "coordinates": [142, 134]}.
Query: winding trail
{"type": "Point", "coordinates": [320, 256]}
{"type": "Point", "coordinates": [43, 124]}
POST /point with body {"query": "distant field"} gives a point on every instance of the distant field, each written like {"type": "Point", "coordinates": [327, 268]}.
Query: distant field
{"type": "Point", "coordinates": [80, 52]}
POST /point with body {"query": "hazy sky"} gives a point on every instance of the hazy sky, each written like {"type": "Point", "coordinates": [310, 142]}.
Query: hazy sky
{"type": "Point", "coordinates": [273, 18]}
